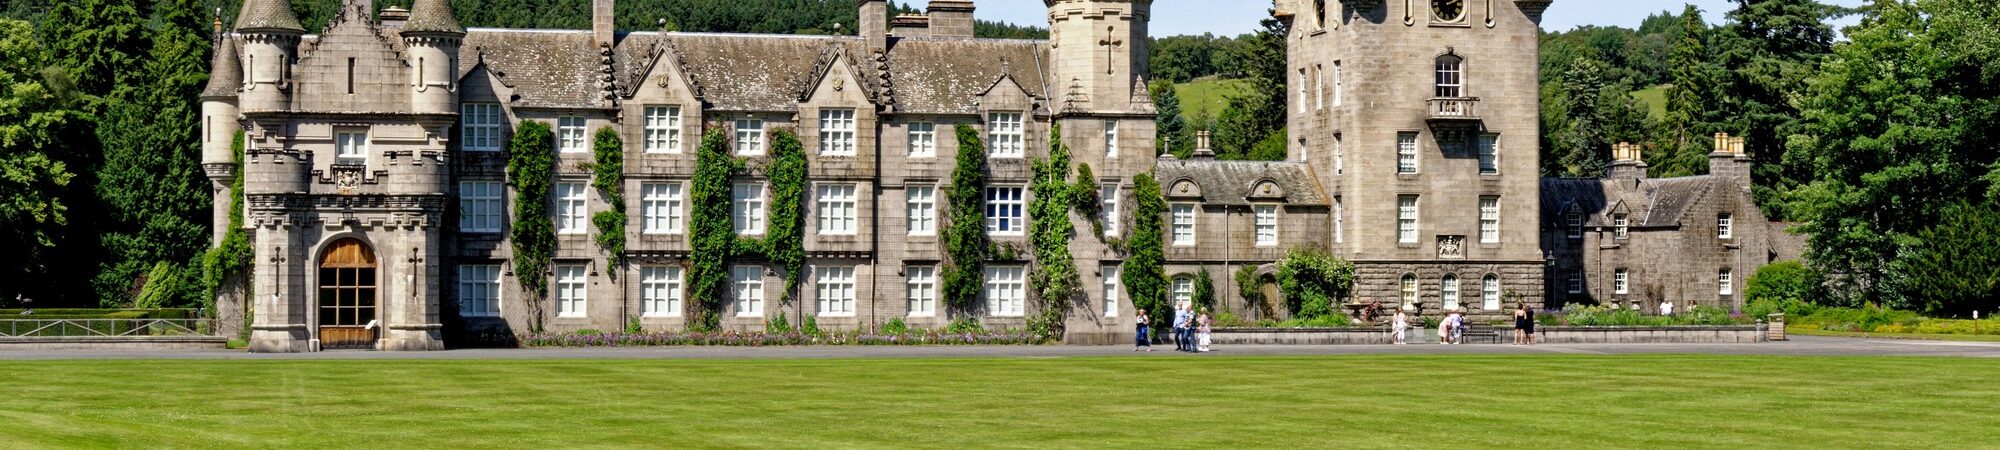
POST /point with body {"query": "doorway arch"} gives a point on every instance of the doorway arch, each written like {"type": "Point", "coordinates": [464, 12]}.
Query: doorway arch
{"type": "Point", "coordinates": [347, 295]}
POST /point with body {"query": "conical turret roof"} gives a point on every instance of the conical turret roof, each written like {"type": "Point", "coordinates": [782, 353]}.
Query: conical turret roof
{"type": "Point", "coordinates": [225, 74]}
{"type": "Point", "coordinates": [268, 15]}
{"type": "Point", "coordinates": [432, 16]}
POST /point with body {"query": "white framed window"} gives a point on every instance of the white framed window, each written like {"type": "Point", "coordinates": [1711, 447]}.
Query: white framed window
{"type": "Point", "coordinates": [1619, 225]}
{"type": "Point", "coordinates": [663, 129]}
{"type": "Point", "coordinates": [480, 206]}
{"type": "Point", "coordinates": [746, 207]}
{"type": "Point", "coordinates": [572, 208]}
{"type": "Point", "coordinates": [1004, 135]}
{"type": "Point", "coordinates": [923, 139]}
{"type": "Point", "coordinates": [747, 286]}
{"type": "Point", "coordinates": [1183, 290]}
{"type": "Point", "coordinates": [922, 290]}
{"type": "Point", "coordinates": [1266, 222]}
{"type": "Point", "coordinates": [749, 137]}
{"type": "Point", "coordinates": [570, 135]}
{"type": "Point", "coordinates": [571, 288]}
{"type": "Point", "coordinates": [1005, 211]}
{"type": "Point", "coordinates": [350, 146]}
{"type": "Point", "coordinates": [1406, 153]}
{"type": "Point", "coordinates": [1489, 154]}
{"type": "Point", "coordinates": [1619, 281]}
{"type": "Point", "coordinates": [1489, 219]}
{"type": "Point", "coordinates": [1574, 219]}
{"type": "Point", "coordinates": [836, 132]}
{"type": "Point", "coordinates": [1450, 77]}
{"type": "Point", "coordinates": [1183, 215]}
{"type": "Point", "coordinates": [1111, 280]}
{"type": "Point", "coordinates": [479, 127]}
{"type": "Point", "coordinates": [1111, 138]}
{"type": "Point", "coordinates": [1406, 219]}
{"type": "Point", "coordinates": [660, 291]}
{"type": "Point", "coordinates": [1108, 211]}
{"type": "Point", "coordinates": [1339, 85]}
{"type": "Point", "coordinates": [1448, 288]}
{"type": "Point", "coordinates": [660, 206]}
{"type": "Point", "coordinates": [1725, 282]}
{"type": "Point", "coordinates": [921, 206]}
{"type": "Point", "coordinates": [1339, 221]}
{"type": "Point", "coordinates": [836, 209]}
{"type": "Point", "coordinates": [1725, 226]}
{"type": "Point", "coordinates": [479, 290]}
{"type": "Point", "coordinates": [1489, 292]}
{"type": "Point", "coordinates": [1575, 281]}
{"type": "Point", "coordinates": [1006, 292]}
{"type": "Point", "coordinates": [834, 287]}
{"type": "Point", "coordinates": [1409, 289]}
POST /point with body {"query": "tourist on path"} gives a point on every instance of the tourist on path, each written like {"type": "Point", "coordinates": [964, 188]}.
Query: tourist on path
{"type": "Point", "coordinates": [1528, 324]}
{"type": "Point", "coordinates": [1141, 336]}
{"type": "Point", "coordinates": [1520, 324]}
{"type": "Point", "coordinates": [1400, 326]}
{"type": "Point", "coordinates": [1457, 327]}
{"type": "Point", "coordinates": [1444, 331]}
{"type": "Point", "coordinates": [1182, 318]}
{"type": "Point", "coordinates": [1201, 324]}
{"type": "Point", "coordinates": [1667, 308]}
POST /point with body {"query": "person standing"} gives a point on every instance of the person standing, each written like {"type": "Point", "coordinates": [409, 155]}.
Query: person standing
{"type": "Point", "coordinates": [1181, 319]}
{"type": "Point", "coordinates": [1141, 336]}
{"type": "Point", "coordinates": [1457, 327]}
{"type": "Point", "coordinates": [1202, 328]}
{"type": "Point", "coordinates": [1399, 326]}
{"type": "Point", "coordinates": [1667, 308]}
{"type": "Point", "coordinates": [1520, 321]}
{"type": "Point", "coordinates": [1528, 324]}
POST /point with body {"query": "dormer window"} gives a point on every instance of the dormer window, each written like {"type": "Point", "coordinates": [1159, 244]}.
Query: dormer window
{"type": "Point", "coordinates": [1619, 225]}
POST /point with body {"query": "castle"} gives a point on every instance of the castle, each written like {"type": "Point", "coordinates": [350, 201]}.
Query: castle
{"type": "Point", "coordinates": [377, 194]}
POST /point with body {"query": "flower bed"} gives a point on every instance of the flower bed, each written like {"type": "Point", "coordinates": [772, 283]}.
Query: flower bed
{"type": "Point", "coordinates": [761, 339]}
{"type": "Point", "coordinates": [1598, 316]}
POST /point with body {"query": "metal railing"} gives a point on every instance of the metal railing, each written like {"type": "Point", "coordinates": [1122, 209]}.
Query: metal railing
{"type": "Point", "coordinates": [1455, 108]}
{"type": "Point", "coordinates": [105, 327]}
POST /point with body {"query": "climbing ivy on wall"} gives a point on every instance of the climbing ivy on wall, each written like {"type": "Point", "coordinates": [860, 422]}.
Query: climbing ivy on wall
{"type": "Point", "coordinates": [610, 183]}
{"type": "Point", "coordinates": [1050, 230]}
{"type": "Point", "coordinates": [232, 257]}
{"type": "Point", "coordinates": [531, 172]}
{"type": "Point", "coordinates": [710, 235]}
{"type": "Point", "coordinates": [1087, 201]}
{"type": "Point", "coordinates": [1145, 271]}
{"type": "Point", "coordinates": [965, 243]}
{"type": "Point", "coordinates": [784, 241]}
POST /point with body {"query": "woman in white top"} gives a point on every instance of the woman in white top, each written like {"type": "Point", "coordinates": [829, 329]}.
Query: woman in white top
{"type": "Point", "coordinates": [1400, 326]}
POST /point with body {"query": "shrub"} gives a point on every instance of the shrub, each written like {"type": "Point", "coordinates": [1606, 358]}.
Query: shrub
{"type": "Point", "coordinates": [632, 325]}
{"type": "Point", "coordinates": [964, 325]}
{"type": "Point", "coordinates": [777, 323]}
{"type": "Point", "coordinates": [588, 332]}
{"type": "Point", "coordinates": [895, 327]}
{"type": "Point", "coordinates": [811, 328]}
{"type": "Point", "coordinates": [1783, 280]}
{"type": "Point", "coordinates": [1312, 280]}
{"type": "Point", "coordinates": [1326, 321]}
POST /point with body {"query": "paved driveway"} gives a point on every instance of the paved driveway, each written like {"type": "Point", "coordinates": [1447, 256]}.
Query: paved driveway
{"type": "Point", "coordinates": [1799, 346]}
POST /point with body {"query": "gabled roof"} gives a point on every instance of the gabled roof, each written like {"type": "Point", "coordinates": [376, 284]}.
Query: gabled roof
{"type": "Point", "coordinates": [546, 68]}
{"type": "Point", "coordinates": [1653, 202]}
{"type": "Point", "coordinates": [1233, 182]}
{"type": "Point", "coordinates": [267, 15]}
{"type": "Point", "coordinates": [946, 76]}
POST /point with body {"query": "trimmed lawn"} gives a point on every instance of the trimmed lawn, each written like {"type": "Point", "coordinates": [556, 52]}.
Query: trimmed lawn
{"type": "Point", "coordinates": [1908, 336]}
{"type": "Point", "coordinates": [1156, 401]}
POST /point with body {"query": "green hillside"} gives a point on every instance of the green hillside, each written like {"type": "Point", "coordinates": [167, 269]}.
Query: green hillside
{"type": "Point", "coordinates": [1655, 99]}
{"type": "Point", "coordinates": [1207, 96]}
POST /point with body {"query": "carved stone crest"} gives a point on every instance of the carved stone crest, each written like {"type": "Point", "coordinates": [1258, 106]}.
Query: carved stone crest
{"type": "Point", "coordinates": [1451, 247]}
{"type": "Point", "coordinates": [347, 177]}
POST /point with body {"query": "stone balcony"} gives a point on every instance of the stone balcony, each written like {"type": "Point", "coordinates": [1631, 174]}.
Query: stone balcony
{"type": "Point", "coordinates": [1454, 109]}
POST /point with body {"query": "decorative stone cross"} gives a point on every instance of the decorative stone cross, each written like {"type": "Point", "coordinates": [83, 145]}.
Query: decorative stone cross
{"type": "Point", "coordinates": [1110, 49]}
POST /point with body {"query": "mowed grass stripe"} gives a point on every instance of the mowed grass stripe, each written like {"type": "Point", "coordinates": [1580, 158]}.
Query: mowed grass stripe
{"type": "Point", "coordinates": [1560, 401]}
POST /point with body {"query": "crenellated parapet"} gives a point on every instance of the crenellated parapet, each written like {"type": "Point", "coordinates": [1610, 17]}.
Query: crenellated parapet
{"type": "Point", "coordinates": [275, 171]}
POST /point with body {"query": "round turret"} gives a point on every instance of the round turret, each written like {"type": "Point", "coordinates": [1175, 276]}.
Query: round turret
{"type": "Point", "coordinates": [431, 39]}
{"type": "Point", "coordinates": [270, 34]}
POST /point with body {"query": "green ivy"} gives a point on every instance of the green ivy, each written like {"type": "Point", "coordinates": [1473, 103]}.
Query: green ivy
{"type": "Point", "coordinates": [1313, 280]}
{"type": "Point", "coordinates": [610, 182]}
{"type": "Point", "coordinates": [1144, 272]}
{"type": "Point", "coordinates": [1088, 201]}
{"type": "Point", "coordinates": [710, 234]}
{"type": "Point", "coordinates": [784, 241]}
{"type": "Point", "coordinates": [1204, 290]}
{"type": "Point", "coordinates": [232, 257]}
{"type": "Point", "coordinates": [965, 243]}
{"type": "Point", "coordinates": [531, 172]}
{"type": "Point", "coordinates": [1055, 276]}
{"type": "Point", "coordinates": [1249, 287]}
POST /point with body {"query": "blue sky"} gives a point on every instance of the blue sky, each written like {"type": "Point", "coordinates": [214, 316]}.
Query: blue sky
{"type": "Point", "coordinates": [1231, 17]}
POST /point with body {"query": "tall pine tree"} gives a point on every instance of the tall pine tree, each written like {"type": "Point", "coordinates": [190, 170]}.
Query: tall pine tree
{"type": "Point", "coordinates": [1689, 100]}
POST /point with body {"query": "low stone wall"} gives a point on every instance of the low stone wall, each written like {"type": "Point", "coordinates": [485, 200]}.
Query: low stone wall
{"type": "Point", "coordinates": [1735, 334]}
{"type": "Point", "coordinates": [1483, 335]}
{"type": "Point", "coordinates": [114, 343]}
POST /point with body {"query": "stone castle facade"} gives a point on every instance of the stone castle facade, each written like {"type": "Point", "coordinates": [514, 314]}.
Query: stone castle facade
{"type": "Point", "coordinates": [377, 197]}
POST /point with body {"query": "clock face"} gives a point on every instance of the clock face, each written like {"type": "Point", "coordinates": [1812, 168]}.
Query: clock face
{"type": "Point", "coordinates": [1448, 10]}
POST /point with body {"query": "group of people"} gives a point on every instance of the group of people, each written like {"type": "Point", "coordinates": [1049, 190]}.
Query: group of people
{"type": "Point", "coordinates": [1190, 327]}
{"type": "Point", "coordinates": [1451, 329]}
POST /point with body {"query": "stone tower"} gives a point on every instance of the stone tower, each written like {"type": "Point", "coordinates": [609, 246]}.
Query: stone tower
{"type": "Point", "coordinates": [431, 38]}
{"type": "Point", "coordinates": [1099, 48]}
{"type": "Point", "coordinates": [218, 126]}
{"type": "Point", "coordinates": [270, 34]}
{"type": "Point", "coordinates": [1420, 120]}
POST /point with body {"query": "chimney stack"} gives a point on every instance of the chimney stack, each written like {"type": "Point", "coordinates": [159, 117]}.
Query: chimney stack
{"type": "Point", "coordinates": [394, 17]}
{"type": "Point", "coordinates": [1201, 150]}
{"type": "Point", "coordinates": [875, 24]}
{"type": "Point", "coordinates": [1729, 161]}
{"type": "Point", "coordinates": [602, 28]}
{"type": "Point", "coordinates": [910, 25]}
{"type": "Point", "coordinates": [951, 18]}
{"type": "Point", "coordinates": [1627, 163]}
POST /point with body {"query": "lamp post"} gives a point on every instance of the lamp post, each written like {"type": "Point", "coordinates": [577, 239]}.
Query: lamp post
{"type": "Point", "coordinates": [1548, 279]}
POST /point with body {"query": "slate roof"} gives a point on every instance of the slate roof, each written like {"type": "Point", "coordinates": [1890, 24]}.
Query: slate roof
{"type": "Point", "coordinates": [1653, 202]}
{"type": "Point", "coordinates": [432, 16]}
{"type": "Point", "coordinates": [546, 68]}
{"type": "Point", "coordinates": [267, 15]}
{"type": "Point", "coordinates": [946, 75]}
{"type": "Point", "coordinates": [225, 76]}
{"type": "Point", "coordinates": [755, 72]}
{"type": "Point", "coordinates": [1231, 182]}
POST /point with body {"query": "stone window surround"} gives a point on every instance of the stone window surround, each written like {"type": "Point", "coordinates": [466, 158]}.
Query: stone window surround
{"type": "Point", "coordinates": [660, 290]}
{"type": "Point", "coordinates": [834, 290]}
{"type": "Point", "coordinates": [1006, 290]}
{"type": "Point", "coordinates": [920, 289]}
{"type": "Point", "coordinates": [479, 290]}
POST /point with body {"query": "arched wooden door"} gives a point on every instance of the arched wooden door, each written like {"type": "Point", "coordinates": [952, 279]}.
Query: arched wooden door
{"type": "Point", "coordinates": [347, 300]}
